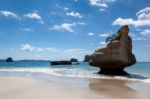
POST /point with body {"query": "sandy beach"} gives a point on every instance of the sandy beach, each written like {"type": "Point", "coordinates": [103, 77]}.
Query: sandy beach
{"type": "Point", "coordinates": [28, 88]}
{"type": "Point", "coordinates": [74, 49]}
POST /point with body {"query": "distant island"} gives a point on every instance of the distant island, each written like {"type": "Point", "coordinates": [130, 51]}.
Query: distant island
{"type": "Point", "coordinates": [32, 60]}
{"type": "Point", "coordinates": [9, 59]}
{"type": "Point", "coordinates": [2, 60]}
{"type": "Point", "coordinates": [5, 60]}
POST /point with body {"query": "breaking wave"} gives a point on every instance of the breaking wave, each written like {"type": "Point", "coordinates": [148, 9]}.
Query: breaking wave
{"type": "Point", "coordinates": [67, 72]}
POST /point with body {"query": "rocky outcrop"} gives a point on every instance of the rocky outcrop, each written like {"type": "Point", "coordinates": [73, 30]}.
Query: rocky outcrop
{"type": "Point", "coordinates": [9, 59]}
{"type": "Point", "coordinates": [86, 58]}
{"type": "Point", "coordinates": [74, 60]}
{"type": "Point", "coordinates": [60, 62]}
{"type": "Point", "coordinates": [117, 55]}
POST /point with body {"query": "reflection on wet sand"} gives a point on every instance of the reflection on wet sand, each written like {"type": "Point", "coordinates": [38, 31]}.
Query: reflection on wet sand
{"type": "Point", "coordinates": [112, 88]}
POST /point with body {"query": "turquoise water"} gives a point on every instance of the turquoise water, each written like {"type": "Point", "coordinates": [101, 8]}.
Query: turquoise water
{"type": "Point", "coordinates": [43, 69]}
{"type": "Point", "coordinates": [140, 68]}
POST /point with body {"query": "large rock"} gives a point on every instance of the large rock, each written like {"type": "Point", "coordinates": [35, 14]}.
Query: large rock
{"type": "Point", "coordinates": [86, 58]}
{"type": "Point", "coordinates": [117, 55]}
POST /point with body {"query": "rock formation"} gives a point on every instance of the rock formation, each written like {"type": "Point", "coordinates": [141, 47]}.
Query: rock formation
{"type": "Point", "coordinates": [86, 58]}
{"type": "Point", "coordinates": [9, 59]}
{"type": "Point", "coordinates": [117, 55]}
{"type": "Point", "coordinates": [60, 62]}
{"type": "Point", "coordinates": [74, 60]}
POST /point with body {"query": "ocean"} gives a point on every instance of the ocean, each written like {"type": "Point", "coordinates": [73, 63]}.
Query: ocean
{"type": "Point", "coordinates": [43, 70]}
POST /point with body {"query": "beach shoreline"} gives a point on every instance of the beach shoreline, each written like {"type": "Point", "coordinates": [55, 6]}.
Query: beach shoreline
{"type": "Point", "coordinates": [29, 88]}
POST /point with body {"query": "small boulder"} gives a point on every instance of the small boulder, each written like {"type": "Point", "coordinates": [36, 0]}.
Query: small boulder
{"type": "Point", "coordinates": [9, 59]}
{"type": "Point", "coordinates": [74, 60]}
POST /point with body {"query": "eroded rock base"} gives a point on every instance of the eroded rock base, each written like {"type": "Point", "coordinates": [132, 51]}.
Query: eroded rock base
{"type": "Point", "coordinates": [110, 71]}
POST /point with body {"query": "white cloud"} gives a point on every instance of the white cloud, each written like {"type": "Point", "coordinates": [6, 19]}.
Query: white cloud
{"type": "Point", "coordinates": [27, 29]}
{"type": "Point", "coordinates": [130, 21]}
{"type": "Point", "coordinates": [74, 14]}
{"type": "Point", "coordinates": [102, 9]}
{"type": "Point", "coordinates": [132, 35]}
{"type": "Point", "coordinates": [91, 34]}
{"type": "Point", "coordinates": [9, 14]}
{"type": "Point", "coordinates": [101, 3]}
{"type": "Point", "coordinates": [146, 32]}
{"type": "Point", "coordinates": [39, 49]}
{"type": "Point", "coordinates": [80, 23]}
{"type": "Point", "coordinates": [102, 43]}
{"type": "Point", "coordinates": [145, 10]}
{"type": "Point", "coordinates": [72, 51]}
{"type": "Point", "coordinates": [58, 6]}
{"type": "Point", "coordinates": [51, 49]}
{"type": "Point", "coordinates": [34, 15]}
{"type": "Point", "coordinates": [27, 47]}
{"type": "Point", "coordinates": [67, 51]}
{"type": "Point", "coordinates": [39, 56]}
{"type": "Point", "coordinates": [66, 26]}
{"type": "Point", "coordinates": [143, 19]}
{"type": "Point", "coordinates": [66, 9]}
{"type": "Point", "coordinates": [144, 16]}
{"type": "Point", "coordinates": [138, 38]}
{"type": "Point", "coordinates": [104, 35]}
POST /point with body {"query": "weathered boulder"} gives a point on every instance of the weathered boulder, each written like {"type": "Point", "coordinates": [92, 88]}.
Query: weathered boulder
{"type": "Point", "coordinates": [86, 58]}
{"type": "Point", "coordinates": [117, 55]}
{"type": "Point", "coordinates": [74, 60]}
{"type": "Point", "coordinates": [61, 62]}
{"type": "Point", "coordinates": [9, 59]}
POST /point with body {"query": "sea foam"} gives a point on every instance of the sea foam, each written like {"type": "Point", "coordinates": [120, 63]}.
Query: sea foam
{"type": "Point", "coordinates": [66, 72]}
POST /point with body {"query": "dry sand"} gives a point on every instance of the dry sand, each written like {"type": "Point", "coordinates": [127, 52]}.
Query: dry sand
{"type": "Point", "coordinates": [28, 88]}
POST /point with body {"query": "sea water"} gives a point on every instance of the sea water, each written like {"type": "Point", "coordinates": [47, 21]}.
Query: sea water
{"type": "Point", "coordinates": [42, 69]}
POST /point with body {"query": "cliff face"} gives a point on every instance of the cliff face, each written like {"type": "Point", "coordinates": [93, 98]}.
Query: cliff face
{"type": "Point", "coordinates": [116, 55]}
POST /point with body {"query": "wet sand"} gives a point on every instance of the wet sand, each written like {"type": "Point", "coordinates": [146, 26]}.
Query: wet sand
{"type": "Point", "coordinates": [71, 88]}
{"type": "Point", "coordinates": [120, 89]}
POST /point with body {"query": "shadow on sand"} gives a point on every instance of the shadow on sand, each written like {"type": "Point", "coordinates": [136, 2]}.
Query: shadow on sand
{"type": "Point", "coordinates": [112, 88]}
{"type": "Point", "coordinates": [115, 87]}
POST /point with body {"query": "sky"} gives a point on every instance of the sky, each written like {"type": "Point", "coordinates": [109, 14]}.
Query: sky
{"type": "Point", "coordinates": [64, 29]}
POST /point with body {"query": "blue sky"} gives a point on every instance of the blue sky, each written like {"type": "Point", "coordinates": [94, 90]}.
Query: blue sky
{"type": "Point", "coordinates": [61, 29]}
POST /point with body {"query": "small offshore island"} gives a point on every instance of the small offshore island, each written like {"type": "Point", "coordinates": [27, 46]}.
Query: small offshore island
{"type": "Point", "coordinates": [65, 62]}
